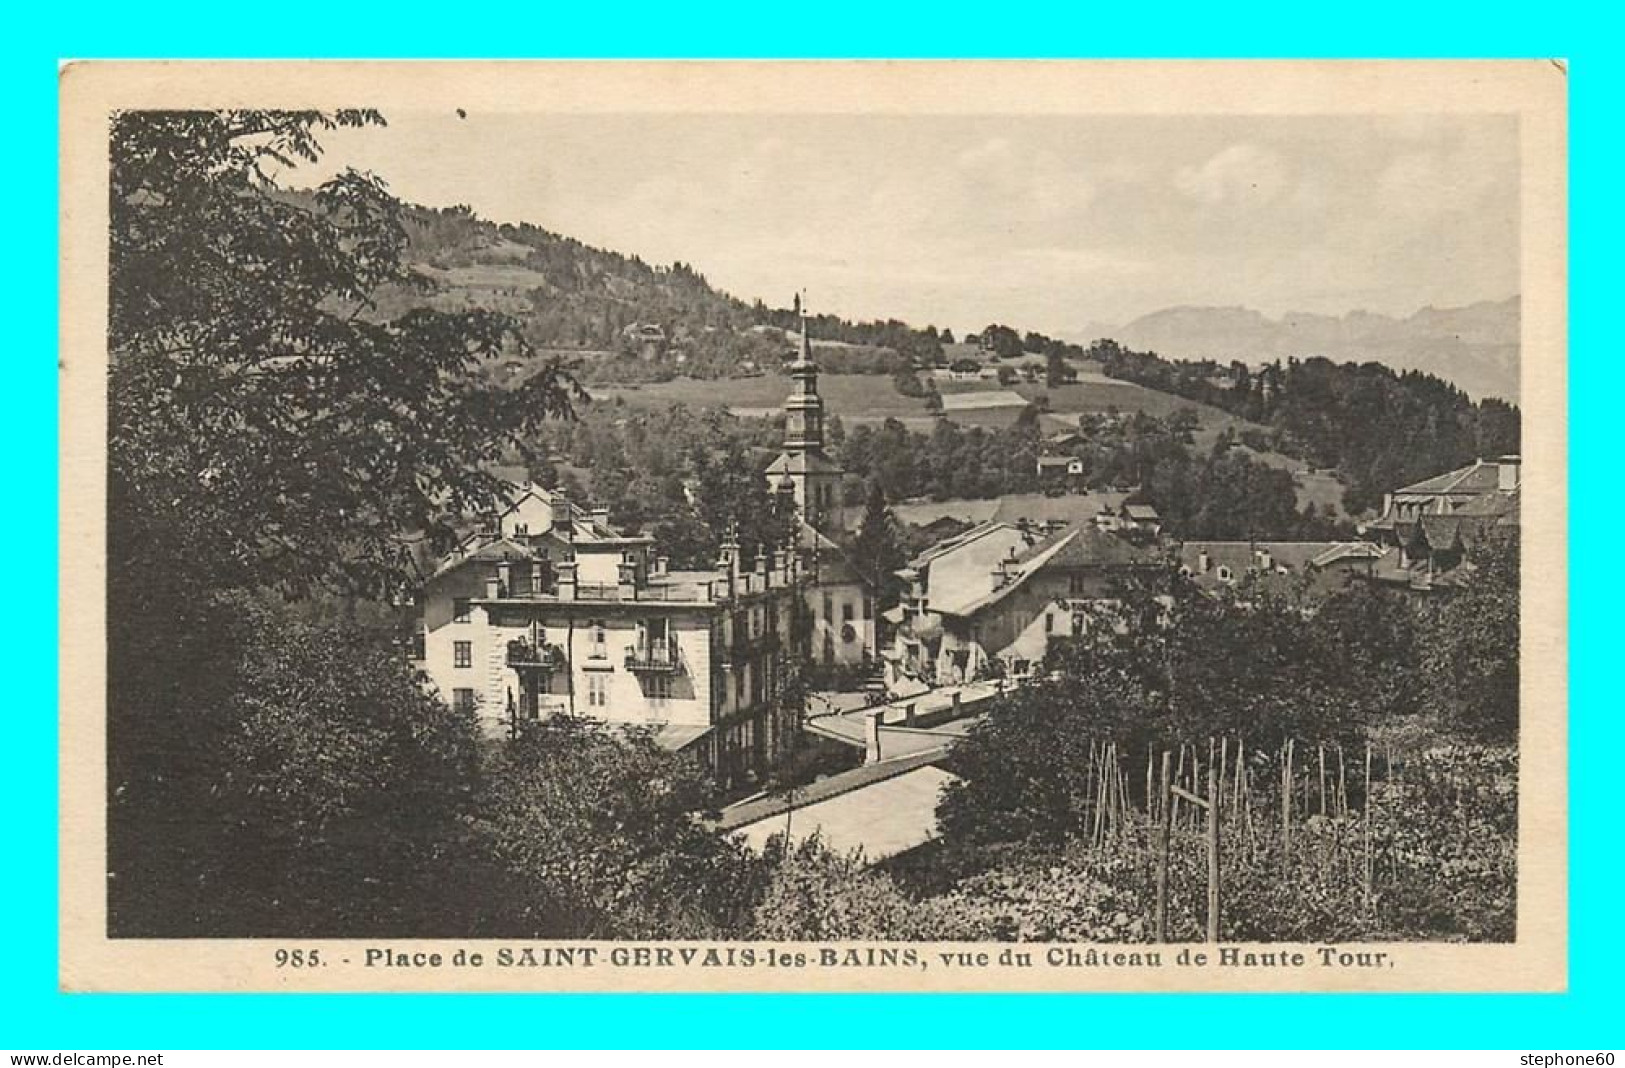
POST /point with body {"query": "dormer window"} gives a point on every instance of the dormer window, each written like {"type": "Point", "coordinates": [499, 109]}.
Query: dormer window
{"type": "Point", "coordinates": [1224, 573]}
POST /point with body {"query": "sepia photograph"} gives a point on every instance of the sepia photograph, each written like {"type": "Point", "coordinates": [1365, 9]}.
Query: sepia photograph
{"type": "Point", "coordinates": [849, 526]}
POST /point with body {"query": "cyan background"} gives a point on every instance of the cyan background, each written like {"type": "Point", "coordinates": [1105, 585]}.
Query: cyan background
{"type": "Point", "coordinates": [34, 1015]}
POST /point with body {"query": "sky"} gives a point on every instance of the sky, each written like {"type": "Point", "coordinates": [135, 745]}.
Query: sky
{"type": "Point", "coordinates": [1048, 223]}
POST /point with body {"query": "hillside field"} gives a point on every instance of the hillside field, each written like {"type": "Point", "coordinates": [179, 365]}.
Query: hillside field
{"type": "Point", "coordinates": [874, 398]}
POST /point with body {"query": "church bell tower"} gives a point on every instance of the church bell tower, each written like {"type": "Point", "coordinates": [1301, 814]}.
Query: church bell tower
{"type": "Point", "coordinates": [803, 468]}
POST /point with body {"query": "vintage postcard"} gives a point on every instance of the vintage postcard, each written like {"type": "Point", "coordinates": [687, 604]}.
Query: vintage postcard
{"type": "Point", "coordinates": [813, 526]}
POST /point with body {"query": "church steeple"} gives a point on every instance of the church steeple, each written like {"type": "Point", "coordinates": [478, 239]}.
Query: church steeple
{"type": "Point", "coordinates": [814, 476]}
{"type": "Point", "coordinates": [804, 409]}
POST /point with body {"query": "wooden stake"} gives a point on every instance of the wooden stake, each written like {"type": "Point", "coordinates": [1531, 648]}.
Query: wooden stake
{"type": "Point", "coordinates": [1286, 803]}
{"type": "Point", "coordinates": [1179, 777]}
{"type": "Point", "coordinates": [1165, 796]}
{"type": "Point", "coordinates": [1212, 854]}
{"type": "Point", "coordinates": [1369, 810]}
{"type": "Point", "coordinates": [1321, 789]}
{"type": "Point", "coordinates": [1342, 786]}
{"type": "Point", "coordinates": [1150, 805]}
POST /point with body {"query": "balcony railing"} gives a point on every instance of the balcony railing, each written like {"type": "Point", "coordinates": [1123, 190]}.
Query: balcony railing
{"type": "Point", "coordinates": [529, 656]}
{"type": "Point", "coordinates": [655, 657]}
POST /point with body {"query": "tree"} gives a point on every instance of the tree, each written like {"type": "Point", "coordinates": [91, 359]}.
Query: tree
{"type": "Point", "coordinates": [596, 833]}
{"type": "Point", "coordinates": [1168, 663]}
{"type": "Point", "coordinates": [1056, 371]}
{"type": "Point", "coordinates": [269, 426]}
{"type": "Point", "coordinates": [1469, 644]}
{"type": "Point", "coordinates": [337, 787]}
{"type": "Point", "coordinates": [877, 550]}
{"type": "Point", "coordinates": [815, 894]}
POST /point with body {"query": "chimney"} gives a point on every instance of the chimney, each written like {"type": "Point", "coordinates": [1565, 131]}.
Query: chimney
{"type": "Point", "coordinates": [1508, 472]}
{"type": "Point", "coordinates": [600, 515]}
{"type": "Point", "coordinates": [565, 575]}
{"type": "Point", "coordinates": [1266, 562]}
{"type": "Point", "coordinates": [504, 578]}
{"type": "Point", "coordinates": [1203, 562]}
{"type": "Point", "coordinates": [493, 587]}
{"type": "Point", "coordinates": [626, 582]}
{"type": "Point", "coordinates": [662, 564]}
{"type": "Point", "coordinates": [728, 563]}
{"type": "Point", "coordinates": [1387, 503]}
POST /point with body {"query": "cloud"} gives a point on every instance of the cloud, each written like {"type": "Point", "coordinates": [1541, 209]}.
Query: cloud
{"type": "Point", "coordinates": [1243, 174]}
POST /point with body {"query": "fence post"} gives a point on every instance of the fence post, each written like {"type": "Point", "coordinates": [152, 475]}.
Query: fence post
{"type": "Point", "coordinates": [1212, 854]}
{"type": "Point", "coordinates": [1286, 804]}
{"type": "Point", "coordinates": [1166, 799]}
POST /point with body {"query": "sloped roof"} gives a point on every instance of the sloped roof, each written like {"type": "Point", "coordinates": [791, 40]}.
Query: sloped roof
{"type": "Point", "coordinates": [674, 737]}
{"type": "Point", "coordinates": [1075, 547]}
{"type": "Point", "coordinates": [800, 462]}
{"type": "Point", "coordinates": [1493, 504]}
{"type": "Point", "coordinates": [1478, 477]}
{"type": "Point", "coordinates": [495, 550]}
{"type": "Point", "coordinates": [1083, 545]}
{"type": "Point", "coordinates": [882, 819]}
{"type": "Point", "coordinates": [981, 530]}
{"type": "Point", "coordinates": [1344, 550]}
{"type": "Point", "coordinates": [834, 565]}
{"type": "Point", "coordinates": [1238, 555]}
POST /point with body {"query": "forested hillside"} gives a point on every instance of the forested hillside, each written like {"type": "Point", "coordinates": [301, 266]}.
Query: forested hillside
{"type": "Point", "coordinates": [591, 303]}
{"type": "Point", "coordinates": [1377, 427]}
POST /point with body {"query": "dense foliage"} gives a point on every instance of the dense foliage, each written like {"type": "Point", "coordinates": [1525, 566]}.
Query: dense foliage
{"type": "Point", "coordinates": [270, 428]}
{"type": "Point", "coordinates": [1378, 428]}
{"type": "Point", "coordinates": [595, 835]}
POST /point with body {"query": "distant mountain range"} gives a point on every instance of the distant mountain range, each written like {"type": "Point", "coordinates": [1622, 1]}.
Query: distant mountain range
{"type": "Point", "coordinates": [1475, 347]}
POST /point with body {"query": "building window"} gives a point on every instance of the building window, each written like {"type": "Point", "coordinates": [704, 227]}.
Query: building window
{"type": "Point", "coordinates": [462, 654]}
{"type": "Point", "coordinates": [659, 689]}
{"type": "Point", "coordinates": [829, 607]}
{"type": "Point", "coordinates": [462, 699]}
{"type": "Point", "coordinates": [868, 608]}
{"type": "Point", "coordinates": [1077, 584]}
{"type": "Point", "coordinates": [459, 610]}
{"type": "Point", "coordinates": [597, 691]}
{"type": "Point", "coordinates": [1049, 622]}
{"type": "Point", "coordinates": [847, 612]}
{"type": "Point", "coordinates": [600, 638]}
{"type": "Point", "coordinates": [1224, 573]}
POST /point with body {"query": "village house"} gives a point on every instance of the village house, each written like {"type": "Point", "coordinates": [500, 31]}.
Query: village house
{"type": "Point", "coordinates": [1132, 518]}
{"type": "Point", "coordinates": [1429, 527]}
{"type": "Point", "coordinates": [1065, 471]}
{"type": "Point", "coordinates": [1001, 592]}
{"type": "Point", "coordinates": [647, 340]}
{"type": "Point", "coordinates": [1283, 568]}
